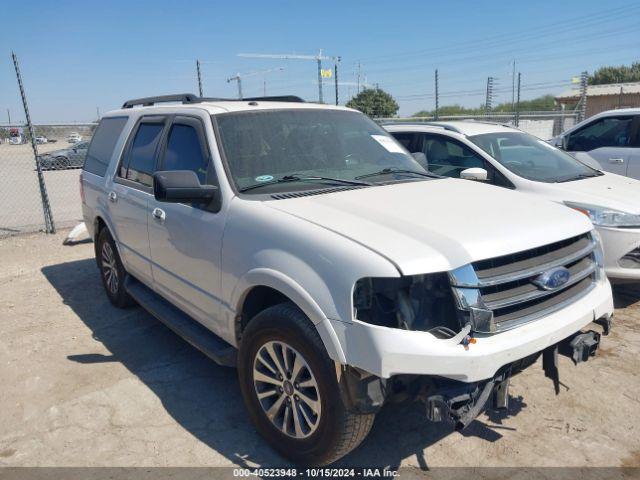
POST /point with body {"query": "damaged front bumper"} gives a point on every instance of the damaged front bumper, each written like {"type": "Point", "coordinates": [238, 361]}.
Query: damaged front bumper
{"type": "Point", "coordinates": [386, 352]}
{"type": "Point", "coordinates": [460, 403]}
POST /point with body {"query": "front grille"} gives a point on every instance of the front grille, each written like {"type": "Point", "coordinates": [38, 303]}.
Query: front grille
{"type": "Point", "coordinates": [506, 285]}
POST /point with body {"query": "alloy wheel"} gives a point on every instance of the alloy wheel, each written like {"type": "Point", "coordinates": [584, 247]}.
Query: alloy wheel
{"type": "Point", "coordinates": [287, 389]}
{"type": "Point", "coordinates": [109, 268]}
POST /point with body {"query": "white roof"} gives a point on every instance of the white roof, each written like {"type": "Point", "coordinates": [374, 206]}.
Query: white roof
{"type": "Point", "coordinates": [602, 90]}
{"type": "Point", "coordinates": [460, 126]}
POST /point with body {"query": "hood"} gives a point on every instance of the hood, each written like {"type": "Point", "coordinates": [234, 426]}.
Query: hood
{"type": "Point", "coordinates": [438, 225]}
{"type": "Point", "coordinates": [608, 190]}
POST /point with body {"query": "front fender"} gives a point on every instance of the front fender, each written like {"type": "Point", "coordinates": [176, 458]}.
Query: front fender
{"type": "Point", "coordinates": [284, 284]}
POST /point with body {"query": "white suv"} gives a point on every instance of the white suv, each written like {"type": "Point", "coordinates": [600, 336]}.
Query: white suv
{"type": "Point", "coordinates": [303, 244]}
{"type": "Point", "coordinates": [507, 157]}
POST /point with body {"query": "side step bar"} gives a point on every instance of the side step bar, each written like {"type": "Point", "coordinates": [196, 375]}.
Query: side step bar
{"type": "Point", "coordinates": [189, 329]}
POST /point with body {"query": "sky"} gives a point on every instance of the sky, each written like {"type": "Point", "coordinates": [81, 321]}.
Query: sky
{"type": "Point", "coordinates": [81, 58]}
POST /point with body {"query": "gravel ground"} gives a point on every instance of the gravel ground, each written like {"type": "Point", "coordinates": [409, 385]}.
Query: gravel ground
{"type": "Point", "coordinates": [85, 384]}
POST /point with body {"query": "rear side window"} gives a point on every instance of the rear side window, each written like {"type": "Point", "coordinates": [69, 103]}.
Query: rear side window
{"type": "Point", "coordinates": [102, 145]}
{"type": "Point", "coordinates": [606, 132]}
{"type": "Point", "coordinates": [141, 160]}
{"type": "Point", "coordinates": [184, 151]}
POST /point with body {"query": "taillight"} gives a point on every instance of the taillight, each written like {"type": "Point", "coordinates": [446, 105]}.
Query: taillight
{"type": "Point", "coordinates": [81, 189]}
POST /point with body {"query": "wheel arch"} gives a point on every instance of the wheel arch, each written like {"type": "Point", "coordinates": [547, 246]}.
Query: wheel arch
{"type": "Point", "coordinates": [101, 222]}
{"type": "Point", "coordinates": [262, 288]}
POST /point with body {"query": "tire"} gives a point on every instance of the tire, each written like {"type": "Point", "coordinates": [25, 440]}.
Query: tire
{"type": "Point", "coordinates": [325, 434]}
{"type": "Point", "coordinates": [62, 163]}
{"type": "Point", "coordinates": [112, 271]}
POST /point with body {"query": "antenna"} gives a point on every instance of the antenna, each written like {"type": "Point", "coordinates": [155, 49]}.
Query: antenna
{"type": "Point", "coordinates": [292, 56]}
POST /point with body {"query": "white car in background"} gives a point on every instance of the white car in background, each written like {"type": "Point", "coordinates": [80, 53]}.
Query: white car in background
{"type": "Point", "coordinates": [507, 157]}
{"type": "Point", "coordinates": [608, 141]}
{"type": "Point", "coordinates": [74, 137]}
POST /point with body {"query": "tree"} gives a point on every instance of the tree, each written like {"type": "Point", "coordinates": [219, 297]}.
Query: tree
{"type": "Point", "coordinates": [375, 103]}
{"type": "Point", "coordinates": [619, 74]}
{"type": "Point", "coordinates": [542, 103]}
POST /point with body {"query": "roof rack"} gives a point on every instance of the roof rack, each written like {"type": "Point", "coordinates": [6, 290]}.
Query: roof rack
{"type": "Point", "coordinates": [428, 124]}
{"type": "Point", "coordinates": [280, 98]}
{"type": "Point", "coordinates": [189, 98]}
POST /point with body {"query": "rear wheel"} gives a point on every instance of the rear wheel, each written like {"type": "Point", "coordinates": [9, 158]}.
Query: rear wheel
{"type": "Point", "coordinates": [62, 163]}
{"type": "Point", "coordinates": [290, 388]}
{"type": "Point", "coordinates": [112, 271]}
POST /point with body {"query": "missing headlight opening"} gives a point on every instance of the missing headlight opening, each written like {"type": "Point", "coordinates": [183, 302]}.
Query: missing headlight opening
{"type": "Point", "coordinates": [420, 302]}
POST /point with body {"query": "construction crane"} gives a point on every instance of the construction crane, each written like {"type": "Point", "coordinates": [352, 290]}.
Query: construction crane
{"type": "Point", "coordinates": [238, 78]}
{"type": "Point", "coordinates": [318, 58]}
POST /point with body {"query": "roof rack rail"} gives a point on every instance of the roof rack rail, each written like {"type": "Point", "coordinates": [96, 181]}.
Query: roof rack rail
{"type": "Point", "coordinates": [188, 98]}
{"type": "Point", "coordinates": [444, 126]}
{"type": "Point", "coordinates": [279, 98]}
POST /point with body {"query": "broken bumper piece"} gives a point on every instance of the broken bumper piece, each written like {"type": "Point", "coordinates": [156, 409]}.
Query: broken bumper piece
{"type": "Point", "coordinates": [460, 403]}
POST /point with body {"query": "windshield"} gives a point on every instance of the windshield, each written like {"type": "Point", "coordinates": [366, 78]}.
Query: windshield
{"type": "Point", "coordinates": [532, 158]}
{"type": "Point", "coordinates": [300, 149]}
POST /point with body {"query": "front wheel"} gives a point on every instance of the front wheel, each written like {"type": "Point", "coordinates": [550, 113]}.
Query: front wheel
{"type": "Point", "coordinates": [290, 388]}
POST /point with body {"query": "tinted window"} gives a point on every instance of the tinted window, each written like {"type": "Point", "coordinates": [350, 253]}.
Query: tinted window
{"type": "Point", "coordinates": [606, 132]}
{"type": "Point", "coordinates": [448, 157]}
{"type": "Point", "coordinates": [141, 161]}
{"type": "Point", "coordinates": [184, 152]}
{"type": "Point", "coordinates": [405, 139]}
{"type": "Point", "coordinates": [102, 145]}
{"type": "Point", "coordinates": [267, 147]}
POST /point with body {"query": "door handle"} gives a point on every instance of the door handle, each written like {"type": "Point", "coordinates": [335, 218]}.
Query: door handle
{"type": "Point", "coordinates": [158, 214]}
{"type": "Point", "coordinates": [113, 197]}
{"type": "Point", "coordinates": [616, 160]}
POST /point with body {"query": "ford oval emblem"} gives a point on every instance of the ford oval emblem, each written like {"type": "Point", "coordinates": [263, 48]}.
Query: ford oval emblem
{"type": "Point", "coordinates": [553, 278]}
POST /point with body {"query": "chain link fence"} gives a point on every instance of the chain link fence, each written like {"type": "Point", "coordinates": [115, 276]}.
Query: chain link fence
{"type": "Point", "coordinates": [544, 125]}
{"type": "Point", "coordinates": [61, 152]}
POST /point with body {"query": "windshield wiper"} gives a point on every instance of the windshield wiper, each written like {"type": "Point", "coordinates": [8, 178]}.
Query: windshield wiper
{"type": "Point", "coordinates": [580, 176]}
{"type": "Point", "coordinates": [387, 171]}
{"type": "Point", "coordinates": [296, 178]}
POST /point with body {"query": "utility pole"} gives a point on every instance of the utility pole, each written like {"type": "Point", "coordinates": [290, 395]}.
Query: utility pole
{"type": "Point", "coordinates": [517, 121]}
{"type": "Point", "coordinates": [317, 58]}
{"type": "Point", "coordinates": [335, 75]}
{"type": "Point", "coordinates": [437, 100]}
{"type": "Point", "coordinates": [49, 225]}
{"type": "Point", "coordinates": [9, 115]}
{"type": "Point", "coordinates": [199, 77]}
{"type": "Point", "coordinates": [489, 97]}
{"type": "Point", "coordinates": [239, 76]}
{"type": "Point", "coordinates": [583, 95]}
{"type": "Point", "coordinates": [359, 66]}
{"type": "Point", "coordinates": [238, 79]}
{"type": "Point", "coordinates": [513, 85]}
{"type": "Point", "coordinates": [98, 112]}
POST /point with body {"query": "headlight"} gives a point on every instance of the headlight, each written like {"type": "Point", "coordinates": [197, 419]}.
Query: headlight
{"type": "Point", "coordinates": [417, 302]}
{"type": "Point", "coordinates": [606, 217]}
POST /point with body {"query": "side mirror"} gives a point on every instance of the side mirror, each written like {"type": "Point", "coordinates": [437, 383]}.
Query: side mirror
{"type": "Point", "coordinates": [564, 142]}
{"type": "Point", "coordinates": [478, 174]}
{"type": "Point", "coordinates": [181, 186]}
{"type": "Point", "coordinates": [421, 158]}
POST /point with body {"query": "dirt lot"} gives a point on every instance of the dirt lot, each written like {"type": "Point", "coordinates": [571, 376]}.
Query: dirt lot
{"type": "Point", "coordinates": [85, 384]}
